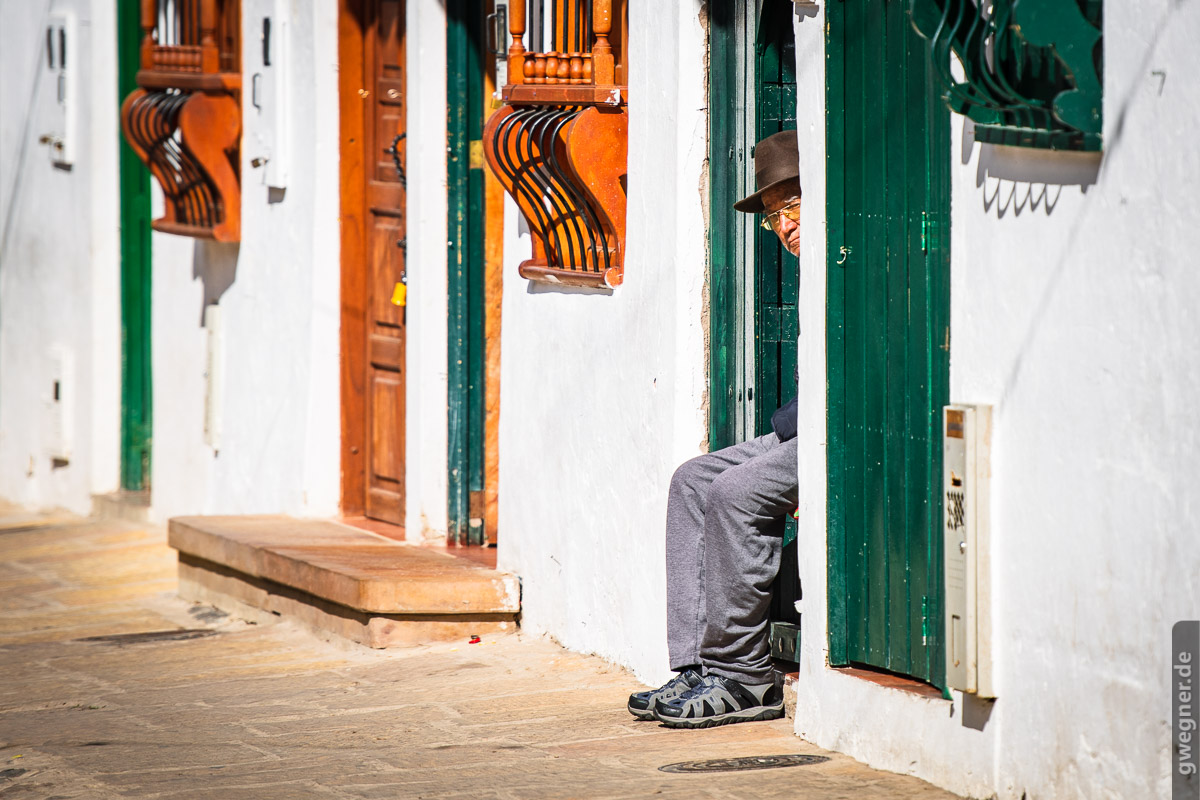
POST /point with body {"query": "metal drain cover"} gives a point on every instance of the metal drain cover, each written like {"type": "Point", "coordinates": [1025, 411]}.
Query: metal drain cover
{"type": "Point", "coordinates": [745, 763]}
{"type": "Point", "coordinates": [178, 635]}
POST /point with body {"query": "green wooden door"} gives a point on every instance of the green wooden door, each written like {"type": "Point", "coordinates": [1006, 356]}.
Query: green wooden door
{"type": "Point", "coordinates": [888, 339]}
{"type": "Point", "coordinates": [464, 68]}
{"type": "Point", "coordinates": [136, 387]}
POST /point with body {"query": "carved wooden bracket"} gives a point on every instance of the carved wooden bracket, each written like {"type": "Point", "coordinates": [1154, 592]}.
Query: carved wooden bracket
{"type": "Point", "coordinates": [190, 143]}
{"type": "Point", "coordinates": [185, 120]}
{"type": "Point", "coordinates": [565, 168]}
{"type": "Point", "coordinates": [560, 146]}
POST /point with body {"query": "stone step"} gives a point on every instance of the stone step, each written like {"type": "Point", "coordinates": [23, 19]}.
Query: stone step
{"type": "Point", "coordinates": [129, 506]}
{"type": "Point", "coordinates": [340, 579]}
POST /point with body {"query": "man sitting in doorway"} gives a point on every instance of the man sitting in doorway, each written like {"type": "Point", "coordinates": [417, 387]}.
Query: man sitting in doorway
{"type": "Point", "coordinates": [725, 516]}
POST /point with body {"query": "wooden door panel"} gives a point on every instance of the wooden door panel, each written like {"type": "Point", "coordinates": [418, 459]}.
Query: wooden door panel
{"type": "Point", "coordinates": [387, 399]}
{"type": "Point", "coordinates": [888, 374]}
{"type": "Point", "coordinates": [385, 220]}
{"type": "Point", "coordinates": [387, 269]}
{"type": "Point", "coordinates": [373, 246]}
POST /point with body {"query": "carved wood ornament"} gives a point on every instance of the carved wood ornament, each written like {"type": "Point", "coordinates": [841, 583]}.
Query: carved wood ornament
{"type": "Point", "coordinates": [559, 146]}
{"type": "Point", "coordinates": [185, 119]}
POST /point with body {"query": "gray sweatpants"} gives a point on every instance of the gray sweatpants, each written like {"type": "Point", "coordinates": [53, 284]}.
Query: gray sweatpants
{"type": "Point", "coordinates": [724, 537]}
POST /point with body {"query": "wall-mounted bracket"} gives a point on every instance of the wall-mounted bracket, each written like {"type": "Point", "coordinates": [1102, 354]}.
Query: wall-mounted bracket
{"type": "Point", "coordinates": [185, 119]}
{"type": "Point", "coordinates": [62, 57]}
{"type": "Point", "coordinates": [565, 167]}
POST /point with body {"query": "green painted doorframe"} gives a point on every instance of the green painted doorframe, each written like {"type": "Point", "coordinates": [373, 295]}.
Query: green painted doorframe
{"type": "Point", "coordinates": [465, 205]}
{"type": "Point", "coordinates": [136, 386]}
{"type": "Point", "coordinates": [730, 118]}
{"type": "Point", "coordinates": [887, 328]}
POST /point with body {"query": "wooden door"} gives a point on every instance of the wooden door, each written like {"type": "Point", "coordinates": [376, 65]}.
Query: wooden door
{"type": "Point", "coordinates": [372, 79]}
{"type": "Point", "coordinates": [888, 268]}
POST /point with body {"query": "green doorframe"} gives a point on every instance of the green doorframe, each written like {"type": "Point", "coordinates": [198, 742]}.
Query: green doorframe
{"type": "Point", "coordinates": [136, 386]}
{"type": "Point", "coordinates": [465, 219]}
{"type": "Point", "coordinates": [887, 328]}
{"type": "Point", "coordinates": [723, 273]}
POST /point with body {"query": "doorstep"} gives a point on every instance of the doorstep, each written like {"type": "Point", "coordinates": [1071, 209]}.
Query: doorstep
{"type": "Point", "coordinates": [340, 580]}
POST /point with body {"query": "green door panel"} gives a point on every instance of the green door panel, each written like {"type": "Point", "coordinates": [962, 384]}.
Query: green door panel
{"type": "Point", "coordinates": [465, 403]}
{"type": "Point", "coordinates": [776, 271]}
{"type": "Point", "coordinates": [136, 387]}
{"type": "Point", "coordinates": [724, 89]}
{"type": "Point", "coordinates": [888, 311]}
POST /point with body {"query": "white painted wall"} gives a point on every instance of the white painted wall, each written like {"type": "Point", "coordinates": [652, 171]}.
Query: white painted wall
{"type": "Point", "coordinates": [602, 393]}
{"type": "Point", "coordinates": [59, 262]}
{"type": "Point", "coordinates": [427, 380]}
{"type": "Point", "coordinates": [278, 292]}
{"type": "Point", "coordinates": [1074, 285]}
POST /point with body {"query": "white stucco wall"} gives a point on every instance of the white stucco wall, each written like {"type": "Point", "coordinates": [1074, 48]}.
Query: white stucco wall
{"type": "Point", "coordinates": [1073, 295]}
{"type": "Point", "coordinates": [59, 262]}
{"type": "Point", "coordinates": [278, 293]}
{"type": "Point", "coordinates": [427, 378]}
{"type": "Point", "coordinates": [602, 393]}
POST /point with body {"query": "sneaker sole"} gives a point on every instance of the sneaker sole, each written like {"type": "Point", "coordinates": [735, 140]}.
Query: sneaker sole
{"type": "Point", "coordinates": [641, 713]}
{"type": "Point", "coordinates": [747, 715]}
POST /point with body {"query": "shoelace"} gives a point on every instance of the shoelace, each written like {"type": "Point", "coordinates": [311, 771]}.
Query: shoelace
{"type": "Point", "coordinates": [706, 682]}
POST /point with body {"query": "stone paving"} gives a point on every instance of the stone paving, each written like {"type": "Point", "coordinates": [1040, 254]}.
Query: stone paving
{"type": "Point", "coordinates": [262, 711]}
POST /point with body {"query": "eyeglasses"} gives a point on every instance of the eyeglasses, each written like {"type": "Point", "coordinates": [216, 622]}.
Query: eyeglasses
{"type": "Point", "coordinates": [791, 211]}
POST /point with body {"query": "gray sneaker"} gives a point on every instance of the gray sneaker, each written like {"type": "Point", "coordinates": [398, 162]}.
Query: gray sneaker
{"type": "Point", "coordinates": [720, 701]}
{"type": "Point", "coordinates": [641, 704]}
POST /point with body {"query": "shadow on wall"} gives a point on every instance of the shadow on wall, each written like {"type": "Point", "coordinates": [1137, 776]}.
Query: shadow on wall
{"type": "Point", "coordinates": [1020, 179]}
{"type": "Point", "coordinates": [215, 264]}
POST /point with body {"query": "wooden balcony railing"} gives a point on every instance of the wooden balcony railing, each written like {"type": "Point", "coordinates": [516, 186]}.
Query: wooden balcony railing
{"type": "Point", "coordinates": [559, 145]}
{"type": "Point", "coordinates": [185, 120]}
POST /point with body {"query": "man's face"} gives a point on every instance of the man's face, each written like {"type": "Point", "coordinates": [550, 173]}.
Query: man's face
{"type": "Point", "coordinates": [788, 230]}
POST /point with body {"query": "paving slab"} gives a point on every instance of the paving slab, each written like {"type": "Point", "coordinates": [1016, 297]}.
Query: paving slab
{"type": "Point", "coordinates": [269, 710]}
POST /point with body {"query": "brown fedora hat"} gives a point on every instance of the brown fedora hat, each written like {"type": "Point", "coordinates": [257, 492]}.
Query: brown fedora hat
{"type": "Point", "coordinates": [776, 161]}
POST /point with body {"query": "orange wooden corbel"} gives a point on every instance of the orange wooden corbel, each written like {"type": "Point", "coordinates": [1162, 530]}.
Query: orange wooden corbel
{"type": "Point", "coordinates": [196, 170]}
{"type": "Point", "coordinates": [185, 120]}
{"type": "Point", "coordinates": [598, 149]}
{"type": "Point", "coordinates": [565, 168]}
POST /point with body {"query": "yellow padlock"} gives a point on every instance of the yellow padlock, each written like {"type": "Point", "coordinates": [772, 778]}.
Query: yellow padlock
{"type": "Point", "coordinates": [400, 294]}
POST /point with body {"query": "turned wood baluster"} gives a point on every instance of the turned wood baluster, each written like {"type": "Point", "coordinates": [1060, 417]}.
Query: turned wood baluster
{"type": "Point", "coordinates": [576, 68]}
{"type": "Point", "coordinates": [210, 54]}
{"type": "Point", "coordinates": [516, 50]}
{"type": "Point", "coordinates": [603, 66]}
{"type": "Point", "coordinates": [552, 67]}
{"type": "Point", "coordinates": [149, 22]}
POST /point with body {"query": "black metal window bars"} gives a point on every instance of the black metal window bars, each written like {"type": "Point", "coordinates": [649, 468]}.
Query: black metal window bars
{"type": "Point", "coordinates": [153, 123]}
{"type": "Point", "coordinates": [570, 229]}
{"type": "Point", "coordinates": [1033, 69]}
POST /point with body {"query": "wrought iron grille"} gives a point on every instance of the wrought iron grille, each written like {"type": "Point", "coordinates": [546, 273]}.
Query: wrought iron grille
{"type": "Point", "coordinates": [1033, 69]}
{"type": "Point", "coordinates": [575, 237]}
{"type": "Point", "coordinates": [153, 122]}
